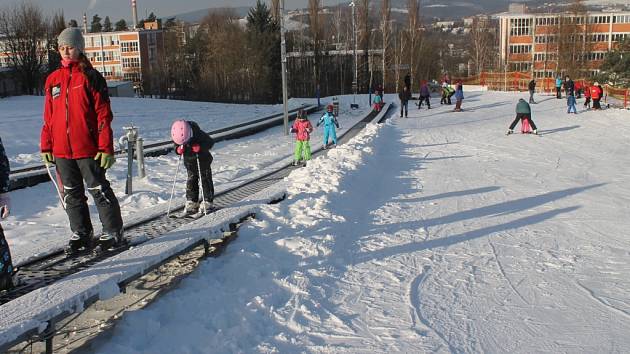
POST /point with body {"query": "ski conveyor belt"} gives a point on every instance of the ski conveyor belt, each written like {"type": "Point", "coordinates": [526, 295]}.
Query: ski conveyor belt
{"type": "Point", "coordinates": [46, 270]}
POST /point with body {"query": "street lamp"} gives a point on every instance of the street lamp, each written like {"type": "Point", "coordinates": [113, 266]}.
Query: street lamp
{"type": "Point", "coordinates": [355, 83]}
{"type": "Point", "coordinates": [283, 52]}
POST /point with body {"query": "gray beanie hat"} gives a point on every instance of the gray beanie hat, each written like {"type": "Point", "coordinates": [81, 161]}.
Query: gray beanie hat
{"type": "Point", "coordinates": [72, 37]}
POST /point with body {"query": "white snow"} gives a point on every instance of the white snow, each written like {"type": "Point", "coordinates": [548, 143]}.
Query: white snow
{"type": "Point", "coordinates": [38, 224]}
{"type": "Point", "coordinates": [435, 233]}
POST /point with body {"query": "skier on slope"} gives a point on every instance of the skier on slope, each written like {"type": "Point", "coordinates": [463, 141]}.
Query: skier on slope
{"type": "Point", "coordinates": [459, 96]}
{"type": "Point", "coordinates": [532, 89]}
{"type": "Point", "coordinates": [330, 122]}
{"type": "Point", "coordinates": [302, 128]}
{"type": "Point", "coordinates": [425, 95]}
{"type": "Point", "coordinates": [77, 137]}
{"type": "Point", "coordinates": [193, 145]}
{"type": "Point", "coordinates": [6, 266]}
{"type": "Point", "coordinates": [523, 111]}
{"type": "Point", "coordinates": [558, 87]}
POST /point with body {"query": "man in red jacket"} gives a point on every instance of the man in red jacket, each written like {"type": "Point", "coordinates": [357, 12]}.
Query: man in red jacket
{"type": "Point", "coordinates": [77, 137]}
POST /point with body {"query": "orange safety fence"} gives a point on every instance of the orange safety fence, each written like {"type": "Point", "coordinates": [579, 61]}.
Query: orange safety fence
{"type": "Point", "coordinates": [518, 81]}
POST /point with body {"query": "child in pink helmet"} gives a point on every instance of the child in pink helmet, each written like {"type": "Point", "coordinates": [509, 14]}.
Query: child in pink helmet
{"type": "Point", "coordinates": [194, 145]}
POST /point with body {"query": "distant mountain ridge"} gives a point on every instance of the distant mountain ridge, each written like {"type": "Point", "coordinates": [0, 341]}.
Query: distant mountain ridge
{"type": "Point", "coordinates": [442, 9]}
{"type": "Point", "coordinates": [198, 15]}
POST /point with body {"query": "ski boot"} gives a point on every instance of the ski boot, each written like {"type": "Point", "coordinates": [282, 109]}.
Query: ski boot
{"type": "Point", "coordinates": [510, 131]}
{"type": "Point", "coordinates": [207, 206]}
{"type": "Point", "coordinates": [80, 243]}
{"type": "Point", "coordinates": [8, 281]}
{"type": "Point", "coordinates": [110, 241]}
{"type": "Point", "coordinates": [191, 208]}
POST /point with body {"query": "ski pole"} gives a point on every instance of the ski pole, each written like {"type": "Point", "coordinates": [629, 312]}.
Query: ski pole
{"type": "Point", "coordinates": [168, 212]}
{"type": "Point", "coordinates": [54, 181]}
{"type": "Point", "coordinates": [203, 197]}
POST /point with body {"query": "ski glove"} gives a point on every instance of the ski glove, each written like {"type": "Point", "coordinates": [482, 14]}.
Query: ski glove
{"type": "Point", "coordinates": [179, 150]}
{"type": "Point", "coordinates": [196, 148]}
{"type": "Point", "coordinates": [107, 160]}
{"type": "Point", "coordinates": [48, 158]}
{"type": "Point", "coordinates": [5, 205]}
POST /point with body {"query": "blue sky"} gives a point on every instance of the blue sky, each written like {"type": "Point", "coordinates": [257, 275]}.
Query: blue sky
{"type": "Point", "coordinates": [117, 9]}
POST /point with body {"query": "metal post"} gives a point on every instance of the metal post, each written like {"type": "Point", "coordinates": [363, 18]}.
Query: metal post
{"type": "Point", "coordinates": [131, 136]}
{"type": "Point", "coordinates": [140, 157]}
{"type": "Point", "coordinates": [355, 82]}
{"type": "Point", "coordinates": [283, 52]}
{"type": "Point", "coordinates": [128, 188]}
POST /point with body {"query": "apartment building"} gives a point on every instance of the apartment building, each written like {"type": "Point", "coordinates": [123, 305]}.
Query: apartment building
{"type": "Point", "coordinates": [529, 42]}
{"type": "Point", "coordinates": [127, 55]}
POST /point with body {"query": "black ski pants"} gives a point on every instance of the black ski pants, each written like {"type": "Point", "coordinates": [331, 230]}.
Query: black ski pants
{"type": "Point", "coordinates": [558, 92]}
{"type": "Point", "coordinates": [192, 184]}
{"type": "Point", "coordinates": [520, 116]}
{"type": "Point", "coordinates": [404, 108]}
{"type": "Point", "coordinates": [73, 173]}
{"type": "Point", "coordinates": [531, 96]}
{"type": "Point", "coordinates": [425, 99]}
{"type": "Point", "coordinates": [6, 266]}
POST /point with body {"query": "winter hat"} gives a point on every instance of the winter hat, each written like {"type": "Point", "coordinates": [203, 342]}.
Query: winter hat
{"type": "Point", "coordinates": [72, 37]}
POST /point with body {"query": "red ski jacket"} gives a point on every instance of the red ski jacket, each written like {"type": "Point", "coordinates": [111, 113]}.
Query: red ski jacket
{"type": "Point", "coordinates": [77, 114]}
{"type": "Point", "coordinates": [302, 129]}
{"type": "Point", "coordinates": [595, 93]}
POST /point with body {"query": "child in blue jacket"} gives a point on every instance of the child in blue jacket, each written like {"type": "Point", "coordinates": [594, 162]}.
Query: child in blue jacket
{"type": "Point", "coordinates": [330, 121]}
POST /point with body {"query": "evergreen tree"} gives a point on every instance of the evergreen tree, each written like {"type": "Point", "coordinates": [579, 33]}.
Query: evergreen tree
{"type": "Point", "coordinates": [120, 25]}
{"type": "Point", "coordinates": [616, 66]}
{"type": "Point", "coordinates": [263, 34]}
{"type": "Point", "coordinates": [107, 25]}
{"type": "Point", "coordinates": [96, 24]}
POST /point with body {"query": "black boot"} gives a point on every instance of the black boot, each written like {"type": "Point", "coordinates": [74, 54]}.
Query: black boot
{"type": "Point", "coordinates": [111, 240]}
{"type": "Point", "coordinates": [80, 243]}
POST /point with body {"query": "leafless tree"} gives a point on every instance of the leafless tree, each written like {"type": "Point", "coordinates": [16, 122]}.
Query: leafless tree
{"type": "Point", "coordinates": [413, 31]}
{"type": "Point", "coordinates": [385, 30]}
{"type": "Point", "coordinates": [316, 35]}
{"type": "Point", "coordinates": [481, 43]}
{"type": "Point", "coordinates": [363, 26]}
{"type": "Point", "coordinates": [573, 39]}
{"type": "Point", "coordinates": [24, 30]}
{"type": "Point", "coordinates": [275, 10]}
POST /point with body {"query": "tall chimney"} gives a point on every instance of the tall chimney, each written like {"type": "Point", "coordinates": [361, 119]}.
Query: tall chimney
{"type": "Point", "coordinates": [134, 13]}
{"type": "Point", "coordinates": [85, 28]}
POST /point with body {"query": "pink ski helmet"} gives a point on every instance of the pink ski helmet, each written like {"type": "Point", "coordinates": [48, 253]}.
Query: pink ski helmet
{"type": "Point", "coordinates": [181, 132]}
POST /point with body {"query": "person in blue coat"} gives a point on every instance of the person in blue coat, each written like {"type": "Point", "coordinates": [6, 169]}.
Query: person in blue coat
{"type": "Point", "coordinates": [330, 122]}
{"type": "Point", "coordinates": [6, 266]}
{"type": "Point", "coordinates": [558, 87]}
{"type": "Point", "coordinates": [459, 96]}
{"type": "Point", "coordinates": [571, 103]}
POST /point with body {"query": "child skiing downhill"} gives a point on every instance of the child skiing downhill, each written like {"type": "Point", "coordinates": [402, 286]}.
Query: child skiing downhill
{"type": "Point", "coordinates": [6, 266]}
{"type": "Point", "coordinates": [523, 111]}
{"type": "Point", "coordinates": [302, 128]}
{"type": "Point", "coordinates": [77, 137]}
{"type": "Point", "coordinates": [459, 96]}
{"type": "Point", "coordinates": [193, 145]}
{"type": "Point", "coordinates": [330, 122]}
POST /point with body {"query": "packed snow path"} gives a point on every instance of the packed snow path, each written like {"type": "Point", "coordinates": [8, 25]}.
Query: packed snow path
{"type": "Point", "coordinates": [435, 233]}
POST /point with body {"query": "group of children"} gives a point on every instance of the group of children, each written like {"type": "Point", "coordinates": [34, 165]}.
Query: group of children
{"type": "Point", "coordinates": [302, 128]}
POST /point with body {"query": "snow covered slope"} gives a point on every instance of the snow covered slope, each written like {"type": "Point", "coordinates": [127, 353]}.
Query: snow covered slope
{"type": "Point", "coordinates": [435, 233]}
